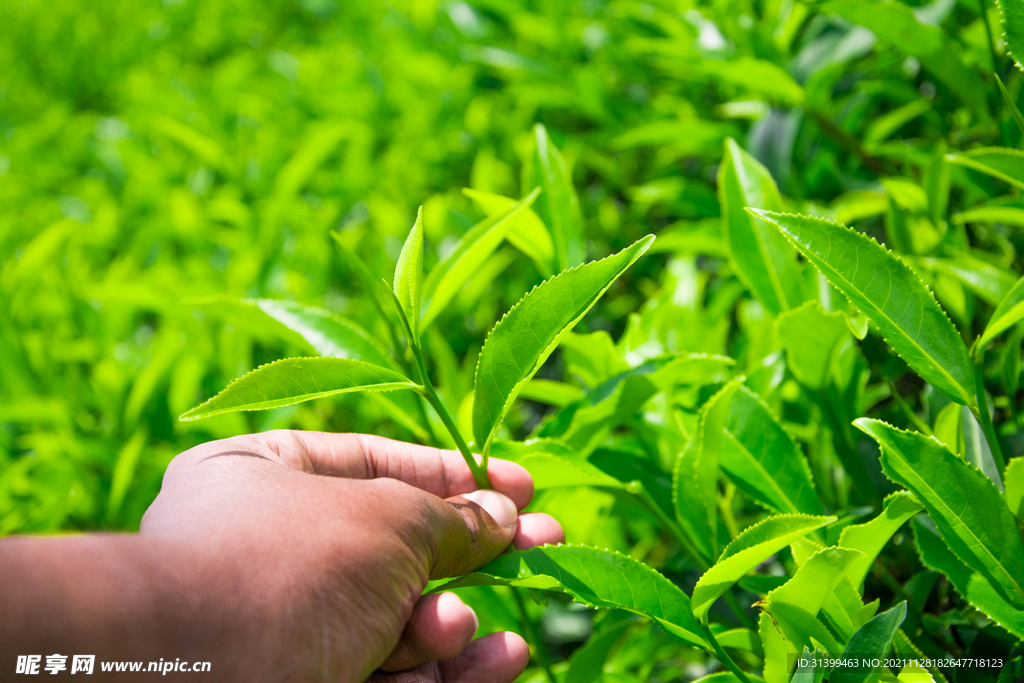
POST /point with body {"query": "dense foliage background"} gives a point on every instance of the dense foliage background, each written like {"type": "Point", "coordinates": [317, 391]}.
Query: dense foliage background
{"type": "Point", "coordinates": [159, 161]}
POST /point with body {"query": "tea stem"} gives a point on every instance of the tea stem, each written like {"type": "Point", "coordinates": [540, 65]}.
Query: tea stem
{"type": "Point", "coordinates": [479, 470]}
{"type": "Point", "coordinates": [531, 630]}
{"type": "Point", "coordinates": [723, 656]}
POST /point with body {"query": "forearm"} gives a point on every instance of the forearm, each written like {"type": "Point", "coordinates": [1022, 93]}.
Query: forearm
{"type": "Point", "coordinates": [122, 597]}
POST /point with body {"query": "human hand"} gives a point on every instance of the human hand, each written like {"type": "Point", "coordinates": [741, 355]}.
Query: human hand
{"type": "Point", "coordinates": [323, 574]}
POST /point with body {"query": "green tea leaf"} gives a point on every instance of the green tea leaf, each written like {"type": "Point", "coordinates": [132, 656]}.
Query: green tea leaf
{"type": "Point", "coordinates": [914, 673]}
{"type": "Point", "coordinates": [695, 477]}
{"type": "Point", "coordinates": [409, 276]}
{"type": "Point", "coordinates": [587, 662]}
{"type": "Point", "coordinates": [524, 338]}
{"type": "Point", "coordinates": [971, 585]}
{"type": "Point", "coordinates": [891, 295]}
{"type": "Point", "coordinates": [752, 547]}
{"type": "Point", "coordinates": [1009, 312]}
{"type": "Point", "coordinates": [999, 162]}
{"type": "Point", "coordinates": [294, 380]}
{"type": "Point", "coordinates": [598, 578]}
{"type": "Point", "coordinates": [454, 270]}
{"type": "Point", "coordinates": [528, 235]}
{"type": "Point", "coordinates": [763, 460]}
{"type": "Point", "coordinates": [1007, 100]}
{"type": "Point", "coordinates": [552, 465]}
{"type": "Point", "coordinates": [965, 505]}
{"type": "Point", "coordinates": [1012, 18]}
{"type": "Point", "coordinates": [812, 337]}
{"type": "Point", "coordinates": [764, 260]}
{"type": "Point", "coordinates": [327, 333]}
{"type": "Point", "coordinates": [875, 638]}
{"type": "Point", "coordinates": [871, 537]}
{"type": "Point", "coordinates": [559, 207]}
{"type": "Point", "coordinates": [1014, 480]}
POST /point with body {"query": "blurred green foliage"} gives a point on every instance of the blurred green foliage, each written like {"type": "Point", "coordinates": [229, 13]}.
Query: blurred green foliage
{"type": "Point", "coordinates": [161, 160]}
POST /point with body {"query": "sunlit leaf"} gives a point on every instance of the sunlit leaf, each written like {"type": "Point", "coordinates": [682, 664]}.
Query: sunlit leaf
{"type": "Point", "coordinates": [871, 537]}
{"type": "Point", "coordinates": [559, 206]}
{"type": "Point", "coordinates": [965, 505]}
{"type": "Point", "coordinates": [408, 282]}
{"type": "Point", "coordinates": [294, 380]}
{"type": "Point", "coordinates": [874, 637]}
{"type": "Point", "coordinates": [891, 295]}
{"type": "Point", "coordinates": [1009, 312]}
{"type": "Point", "coordinates": [999, 162]}
{"type": "Point", "coordinates": [594, 577]}
{"type": "Point", "coordinates": [523, 339]}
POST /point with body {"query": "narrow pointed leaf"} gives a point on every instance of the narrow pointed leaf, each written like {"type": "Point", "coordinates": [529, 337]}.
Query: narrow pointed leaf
{"type": "Point", "coordinates": [1007, 100]}
{"type": "Point", "coordinates": [408, 281]}
{"type": "Point", "coordinates": [763, 460]}
{"type": "Point", "coordinates": [999, 162]}
{"type": "Point", "coordinates": [695, 477]}
{"type": "Point", "coordinates": [965, 505]}
{"type": "Point", "coordinates": [972, 586]}
{"type": "Point", "coordinates": [764, 260]}
{"type": "Point", "coordinates": [463, 262]}
{"type": "Point", "coordinates": [529, 234]}
{"type": "Point", "coordinates": [749, 549]}
{"type": "Point", "coordinates": [523, 339]}
{"type": "Point", "coordinates": [598, 578]}
{"type": "Point", "coordinates": [1008, 313]}
{"type": "Point", "coordinates": [327, 333]}
{"type": "Point", "coordinates": [891, 295]}
{"type": "Point", "coordinates": [873, 638]}
{"type": "Point", "coordinates": [559, 206]}
{"type": "Point", "coordinates": [871, 537]}
{"type": "Point", "coordinates": [294, 380]}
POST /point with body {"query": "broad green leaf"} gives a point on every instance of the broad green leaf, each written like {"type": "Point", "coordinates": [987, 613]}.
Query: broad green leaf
{"type": "Point", "coordinates": [294, 380]}
{"type": "Point", "coordinates": [695, 476]}
{"type": "Point", "coordinates": [891, 295]}
{"type": "Point", "coordinates": [1009, 312]}
{"type": "Point", "coordinates": [454, 270]}
{"type": "Point", "coordinates": [812, 337]}
{"type": "Point", "coordinates": [559, 206]}
{"type": "Point", "coordinates": [1012, 17]}
{"type": "Point", "coordinates": [552, 465]}
{"type": "Point", "coordinates": [1014, 480]}
{"type": "Point", "coordinates": [408, 281]}
{"type": "Point", "coordinates": [999, 162]}
{"type": "Point", "coordinates": [788, 621]}
{"type": "Point", "coordinates": [972, 586]}
{"type": "Point", "coordinates": [965, 505]}
{"type": "Point", "coordinates": [871, 537]}
{"type": "Point", "coordinates": [875, 638]}
{"type": "Point", "coordinates": [327, 333]}
{"type": "Point", "coordinates": [763, 460]}
{"type": "Point", "coordinates": [764, 260]}
{"type": "Point", "coordinates": [528, 235]}
{"type": "Point", "coordinates": [598, 578]}
{"type": "Point", "coordinates": [752, 547]}
{"type": "Point", "coordinates": [523, 339]}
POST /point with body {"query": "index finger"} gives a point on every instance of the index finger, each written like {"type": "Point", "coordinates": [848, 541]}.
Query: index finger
{"type": "Point", "coordinates": [440, 472]}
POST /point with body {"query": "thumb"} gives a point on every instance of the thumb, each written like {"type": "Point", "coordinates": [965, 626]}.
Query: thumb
{"type": "Point", "coordinates": [469, 531]}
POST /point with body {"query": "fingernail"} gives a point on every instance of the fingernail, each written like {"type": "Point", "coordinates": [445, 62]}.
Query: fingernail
{"type": "Point", "coordinates": [497, 505]}
{"type": "Point", "coordinates": [452, 605]}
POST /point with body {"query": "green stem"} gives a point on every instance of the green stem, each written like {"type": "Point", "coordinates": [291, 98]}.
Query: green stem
{"type": "Point", "coordinates": [723, 656]}
{"type": "Point", "coordinates": [981, 410]}
{"type": "Point", "coordinates": [530, 631]}
{"type": "Point", "coordinates": [479, 470]}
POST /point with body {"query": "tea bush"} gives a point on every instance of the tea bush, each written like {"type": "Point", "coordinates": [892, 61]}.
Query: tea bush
{"type": "Point", "coordinates": [765, 433]}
